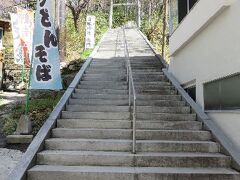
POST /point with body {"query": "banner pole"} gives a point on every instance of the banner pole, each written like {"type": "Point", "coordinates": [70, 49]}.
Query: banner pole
{"type": "Point", "coordinates": [28, 91]}
{"type": "Point", "coordinates": [29, 82]}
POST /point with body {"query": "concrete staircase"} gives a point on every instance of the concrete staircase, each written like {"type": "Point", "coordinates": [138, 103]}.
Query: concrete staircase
{"type": "Point", "coordinates": [92, 140]}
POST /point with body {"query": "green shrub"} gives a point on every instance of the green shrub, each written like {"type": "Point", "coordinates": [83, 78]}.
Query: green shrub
{"type": "Point", "coordinates": [9, 125]}
{"type": "Point", "coordinates": [154, 32]}
{"type": "Point", "coordinates": [40, 109]}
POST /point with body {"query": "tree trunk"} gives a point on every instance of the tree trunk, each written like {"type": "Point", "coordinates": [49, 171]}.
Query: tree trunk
{"type": "Point", "coordinates": [165, 2]}
{"type": "Point", "coordinates": [139, 14]}
{"type": "Point", "coordinates": [149, 12]}
{"type": "Point", "coordinates": [75, 20]}
{"type": "Point", "coordinates": [111, 14]}
{"type": "Point", "coordinates": [62, 30]}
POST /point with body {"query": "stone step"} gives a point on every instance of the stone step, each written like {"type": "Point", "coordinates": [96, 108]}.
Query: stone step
{"type": "Point", "coordinates": [167, 103]}
{"type": "Point", "coordinates": [106, 78]}
{"type": "Point", "coordinates": [126, 145]}
{"type": "Point", "coordinates": [116, 96]}
{"type": "Point", "coordinates": [156, 92]}
{"type": "Point", "coordinates": [103, 86]}
{"type": "Point", "coordinates": [126, 115]}
{"type": "Point", "coordinates": [98, 102]}
{"type": "Point", "coordinates": [103, 69]}
{"type": "Point", "coordinates": [156, 109]}
{"type": "Point", "coordinates": [46, 172]}
{"type": "Point", "coordinates": [85, 108]}
{"type": "Point", "coordinates": [146, 63]}
{"type": "Point", "coordinates": [103, 83]}
{"type": "Point", "coordinates": [88, 144]}
{"type": "Point", "coordinates": [110, 63]}
{"type": "Point", "coordinates": [142, 59]}
{"type": "Point", "coordinates": [103, 76]}
{"type": "Point", "coordinates": [146, 79]}
{"type": "Point", "coordinates": [148, 67]}
{"type": "Point", "coordinates": [126, 124]}
{"type": "Point", "coordinates": [106, 71]}
{"type": "Point", "coordinates": [96, 115]}
{"type": "Point", "coordinates": [99, 96]}
{"type": "Point", "coordinates": [92, 123]}
{"type": "Point", "coordinates": [112, 67]}
{"type": "Point", "coordinates": [146, 70]}
{"type": "Point", "coordinates": [153, 87]}
{"type": "Point", "coordinates": [159, 97]}
{"type": "Point", "coordinates": [107, 66]}
{"type": "Point", "coordinates": [154, 84]}
{"type": "Point", "coordinates": [169, 125]}
{"type": "Point", "coordinates": [106, 61]}
{"type": "Point", "coordinates": [147, 73]}
{"type": "Point", "coordinates": [97, 158]}
{"type": "Point", "coordinates": [140, 109]}
{"type": "Point", "coordinates": [183, 135]}
{"type": "Point", "coordinates": [140, 63]}
{"type": "Point", "coordinates": [166, 116]}
{"type": "Point", "coordinates": [122, 91]}
{"type": "Point", "coordinates": [101, 91]}
{"type": "Point", "coordinates": [125, 102]}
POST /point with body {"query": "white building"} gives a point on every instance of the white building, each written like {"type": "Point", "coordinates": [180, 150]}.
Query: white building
{"type": "Point", "coordinates": [205, 58]}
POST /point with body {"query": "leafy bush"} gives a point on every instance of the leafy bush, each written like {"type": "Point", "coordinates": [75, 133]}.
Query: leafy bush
{"type": "Point", "coordinates": [121, 15]}
{"type": "Point", "coordinates": [154, 32]}
{"type": "Point", "coordinates": [9, 125]}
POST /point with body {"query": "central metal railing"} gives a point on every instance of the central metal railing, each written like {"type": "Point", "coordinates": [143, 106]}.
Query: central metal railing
{"type": "Point", "coordinates": [132, 92]}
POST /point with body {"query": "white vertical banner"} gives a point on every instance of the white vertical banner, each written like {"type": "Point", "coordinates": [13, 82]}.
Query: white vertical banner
{"type": "Point", "coordinates": [22, 29]}
{"type": "Point", "coordinates": [90, 32]}
{"type": "Point", "coordinates": [18, 50]}
{"type": "Point", "coordinates": [46, 62]}
{"type": "Point", "coordinates": [26, 32]}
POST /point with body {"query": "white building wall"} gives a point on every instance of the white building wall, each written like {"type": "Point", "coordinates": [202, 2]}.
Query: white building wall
{"type": "Point", "coordinates": [211, 53]}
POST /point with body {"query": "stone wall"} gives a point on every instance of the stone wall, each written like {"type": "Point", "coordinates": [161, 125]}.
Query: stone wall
{"type": "Point", "coordinates": [12, 74]}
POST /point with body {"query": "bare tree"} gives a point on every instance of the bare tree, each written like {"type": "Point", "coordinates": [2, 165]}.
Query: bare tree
{"type": "Point", "coordinates": [6, 7]}
{"type": "Point", "coordinates": [9, 6]}
{"type": "Point", "coordinates": [165, 8]}
{"type": "Point", "coordinates": [76, 7]}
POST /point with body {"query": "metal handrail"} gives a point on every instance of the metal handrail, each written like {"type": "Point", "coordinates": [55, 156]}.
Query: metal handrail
{"type": "Point", "coordinates": [132, 91]}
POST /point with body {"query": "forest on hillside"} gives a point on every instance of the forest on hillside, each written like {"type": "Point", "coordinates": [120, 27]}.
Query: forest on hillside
{"type": "Point", "coordinates": [154, 21]}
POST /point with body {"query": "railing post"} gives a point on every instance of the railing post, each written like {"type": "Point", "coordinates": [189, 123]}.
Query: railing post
{"type": "Point", "coordinates": [127, 72]}
{"type": "Point", "coordinates": [134, 126]}
{"type": "Point", "coordinates": [129, 93]}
